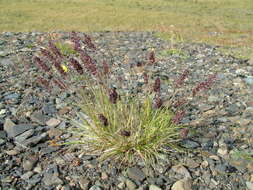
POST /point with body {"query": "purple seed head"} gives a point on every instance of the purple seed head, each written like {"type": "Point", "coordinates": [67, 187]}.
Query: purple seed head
{"type": "Point", "coordinates": [76, 40]}
{"type": "Point", "coordinates": [151, 58]}
{"type": "Point", "coordinates": [145, 77]}
{"type": "Point", "coordinates": [60, 84]}
{"type": "Point", "coordinates": [89, 43]}
{"type": "Point", "coordinates": [106, 68]}
{"type": "Point", "coordinates": [182, 78]}
{"type": "Point", "coordinates": [113, 96]}
{"type": "Point", "coordinates": [103, 119]}
{"type": "Point", "coordinates": [47, 54]}
{"type": "Point", "coordinates": [88, 63]}
{"type": "Point", "coordinates": [125, 133]}
{"type": "Point", "coordinates": [44, 82]}
{"type": "Point", "coordinates": [180, 102]}
{"type": "Point", "coordinates": [157, 85]}
{"type": "Point", "coordinates": [41, 64]}
{"type": "Point", "coordinates": [74, 63]}
{"type": "Point", "coordinates": [178, 117]}
{"type": "Point", "coordinates": [184, 133]}
{"type": "Point", "coordinates": [158, 102]}
{"type": "Point", "coordinates": [204, 85]}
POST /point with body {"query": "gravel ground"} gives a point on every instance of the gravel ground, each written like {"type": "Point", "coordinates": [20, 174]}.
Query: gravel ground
{"type": "Point", "coordinates": [220, 144]}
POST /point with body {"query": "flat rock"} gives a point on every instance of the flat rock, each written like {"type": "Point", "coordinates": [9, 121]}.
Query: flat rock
{"type": "Point", "coordinates": [180, 169]}
{"type": "Point", "coordinates": [154, 187]}
{"type": "Point", "coordinates": [39, 117]}
{"type": "Point", "coordinates": [136, 174]}
{"type": "Point", "coordinates": [51, 180]}
{"type": "Point", "coordinates": [249, 185]}
{"type": "Point", "coordinates": [13, 130]}
{"type": "Point", "coordinates": [130, 184]}
{"type": "Point", "coordinates": [95, 187]}
{"type": "Point", "coordinates": [53, 122]}
{"type": "Point", "coordinates": [20, 138]}
{"type": "Point", "coordinates": [29, 163]}
{"type": "Point", "coordinates": [27, 175]}
{"type": "Point", "coordinates": [183, 184]}
{"type": "Point", "coordinates": [84, 183]}
{"type": "Point", "coordinates": [35, 139]}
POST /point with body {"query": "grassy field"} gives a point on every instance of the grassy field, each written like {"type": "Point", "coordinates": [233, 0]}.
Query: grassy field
{"type": "Point", "coordinates": [223, 22]}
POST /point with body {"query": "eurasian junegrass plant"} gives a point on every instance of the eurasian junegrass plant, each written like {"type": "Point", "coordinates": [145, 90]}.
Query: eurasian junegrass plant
{"type": "Point", "coordinates": [112, 123]}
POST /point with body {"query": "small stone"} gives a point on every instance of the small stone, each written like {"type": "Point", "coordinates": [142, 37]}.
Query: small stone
{"type": "Point", "coordinates": [3, 134]}
{"type": "Point", "coordinates": [29, 163]}
{"type": "Point", "coordinates": [12, 96]}
{"type": "Point", "coordinates": [7, 179]}
{"type": "Point", "coordinates": [223, 151]}
{"type": "Point", "coordinates": [27, 175]}
{"type": "Point", "coordinates": [154, 187]}
{"type": "Point", "coordinates": [51, 179]}
{"type": "Point", "coordinates": [59, 160]}
{"type": "Point", "coordinates": [12, 152]}
{"type": "Point", "coordinates": [64, 110]}
{"type": "Point", "coordinates": [190, 144]}
{"type": "Point", "coordinates": [136, 174]}
{"type": "Point", "coordinates": [249, 185]}
{"type": "Point", "coordinates": [204, 164]}
{"type": "Point", "coordinates": [192, 163]}
{"type": "Point", "coordinates": [249, 80]}
{"type": "Point", "coordinates": [130, 185]}
{"type": "Point", "coordinates": [214, 182]}
{"type": "Point", "coordinates": [121, 185]}
{"type": "Point", "coordinates": [84, 183]}
{"type": "Point", "coordinates": [180, 169]}
{"type": "Point", "coordinates": [221, 168]}
{"type": "Point", "coordinates": [38, 169]}
{"type": "Point", "coordinates": [53, 122]}
{"type": "Point", "coordinates": [183, 184]}
{"type": "Point", "coordinates": [248, 113]}
{"type": "Point", "coordinates": [251, 178]}
{"type": "Point", "coordinates": [214, 157]}
{"type": "Point", "coordinates": [39, 117]}
{"type": "Point", "coordinates": [250, 166]}
{"type": "Point", "coordinates": [95, 187]}
{"type": "Point", "coordinates": [2, 111]}
{"type": "Point", "coordinates": [8, 124]}
{"type": "Point", "coordinates": [54, 132]}
{"type": "Point", "coordinates": [104, 176]}
{"type": "Point", "coordinates": [2, 141]}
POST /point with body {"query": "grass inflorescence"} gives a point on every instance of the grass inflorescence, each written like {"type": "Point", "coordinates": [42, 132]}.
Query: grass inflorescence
{"type": "Point", "coordinates": [112, 123]}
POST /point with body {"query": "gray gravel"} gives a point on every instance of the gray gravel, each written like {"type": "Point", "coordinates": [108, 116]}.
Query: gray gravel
{"type": "Point", "coordinates": [221, 121]}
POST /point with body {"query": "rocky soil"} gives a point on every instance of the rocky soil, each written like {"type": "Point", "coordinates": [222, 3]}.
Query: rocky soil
{"type": "Point", "coordinates": [220, 143]}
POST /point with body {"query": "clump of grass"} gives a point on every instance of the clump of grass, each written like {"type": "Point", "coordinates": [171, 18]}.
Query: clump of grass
{"type": "Point", "coordinates": [112, 123]}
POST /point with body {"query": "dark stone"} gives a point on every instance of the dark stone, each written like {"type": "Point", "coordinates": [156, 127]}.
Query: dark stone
{"type": "Point", "coordinates": [15, 130]}
{"type": "Point", "coordinates": [136, 174]}
{"type": "Point", "coordinates": [190, 144]}
{"type": "Point", "coordinates": [12, 96]}
{"type": "Point", "coordinates": [3, 134]}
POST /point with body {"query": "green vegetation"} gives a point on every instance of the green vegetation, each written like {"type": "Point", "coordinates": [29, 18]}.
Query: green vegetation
{"type": "Point", "coordinates": [65, 49]}
{"type": "Point", "coordinates": [246, 155]}
{"type": "Point", "coordinates": [131, 129]}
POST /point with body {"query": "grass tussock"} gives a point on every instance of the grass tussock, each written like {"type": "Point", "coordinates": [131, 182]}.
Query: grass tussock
{"type": "Point", "coordinates": [112, 123]}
